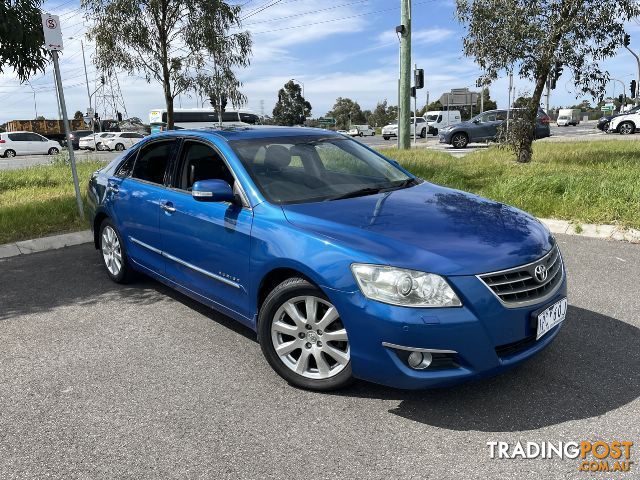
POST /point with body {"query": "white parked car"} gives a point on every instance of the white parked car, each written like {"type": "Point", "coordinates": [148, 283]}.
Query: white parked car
{"type": "Point", "coordinates": [26, 143]}
{"type": "Point", "coordinates": [361, 131]}
{"type": "Point", "coordinates": [625, 124]}
{"type": "Point", "coordinates": [119, 141]}
{"type": "Point", "coordinates": [391, 130]}
{"type": "Point", "coordinates": [93, 142]}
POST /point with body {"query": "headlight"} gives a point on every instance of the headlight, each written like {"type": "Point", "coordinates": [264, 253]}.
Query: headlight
{"type": "Point", "coordinates": [409, 288]}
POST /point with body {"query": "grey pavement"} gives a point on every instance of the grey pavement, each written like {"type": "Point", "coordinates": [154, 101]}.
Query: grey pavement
{"type": "Point", "coordinates": [99, 380]}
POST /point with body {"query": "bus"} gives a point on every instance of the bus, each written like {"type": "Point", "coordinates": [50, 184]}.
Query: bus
{"type": "Point", "coordinates": [199, 118]}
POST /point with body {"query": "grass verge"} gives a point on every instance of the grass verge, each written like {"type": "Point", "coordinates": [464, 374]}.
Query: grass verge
{"type": "Point", "coordinates": [586, 182]}
{"type": "Point", "coordinates": [40, 201]}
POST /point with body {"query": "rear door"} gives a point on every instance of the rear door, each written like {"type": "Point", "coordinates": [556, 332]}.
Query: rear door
{"type": "Point", "coordinates": [20, 143]}
{"type": "Point", "coordinates": [136, 193]}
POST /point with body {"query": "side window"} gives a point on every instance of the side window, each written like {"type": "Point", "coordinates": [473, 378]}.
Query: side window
{"type": "Point", "coordinates": [488, 117]}
{"type": "Point", "coordinates": [16, 137]}
{"type": "Point", "coordinates": [125, 135]}
{"type": "Point", "coordinates": [439, 120]}
{"type": "Point", "coordinates": [201, 162]}
{"type": "Point", "coordinates": [126, 168]}
{"type": "Point", "coordinates": [502, 115]}
{"type": "Point", "coordinates": [229, 116]}
{"type": "Point", "coordinates": [137, 135]}
{"type": "Point", "coordinates": [152, 160]}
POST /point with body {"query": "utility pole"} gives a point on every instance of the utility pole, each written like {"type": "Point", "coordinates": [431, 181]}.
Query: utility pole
{"type": "Point", "coordinates": [405, 76]}
{"type": "Point", "coordinates": [482, 98]}
{"type": "Point", "coordinates": [509, 105]}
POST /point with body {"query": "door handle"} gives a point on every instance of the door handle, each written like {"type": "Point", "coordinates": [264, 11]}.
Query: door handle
{"type": "Point", "coordinates": [168, 207]}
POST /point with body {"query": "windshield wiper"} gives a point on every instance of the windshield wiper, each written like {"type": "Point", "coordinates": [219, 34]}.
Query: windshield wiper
{"type": "Point", "coordinates": [373, 190]}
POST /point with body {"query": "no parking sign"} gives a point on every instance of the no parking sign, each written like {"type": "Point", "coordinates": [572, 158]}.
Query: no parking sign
{"type": "Point", "coordinates": [52, 32]}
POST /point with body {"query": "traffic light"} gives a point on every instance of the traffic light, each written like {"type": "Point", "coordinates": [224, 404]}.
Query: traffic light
{"type": "Point", "coordinates": [632, 88]}
{"type": "Point", "coordinates": [620, 99]}
{"type": "Point", "coordinates": [413, 92]}
{"type": "Point", "coordinates": [119, 116]}
{"type": "Point", "coordinates": [418, 78]}
{"type": "Point", "coordinates": [626, 40]}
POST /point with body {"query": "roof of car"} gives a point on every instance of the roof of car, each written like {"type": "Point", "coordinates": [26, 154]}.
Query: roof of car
{"type": "Point", "coordinates": [253, 132]}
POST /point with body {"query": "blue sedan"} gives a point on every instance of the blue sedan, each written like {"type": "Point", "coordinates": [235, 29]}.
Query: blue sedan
{"type": "Point", "coordinates": [344, 263]}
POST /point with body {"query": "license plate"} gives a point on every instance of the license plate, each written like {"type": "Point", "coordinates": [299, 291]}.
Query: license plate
{"type": "Point", "coordinates": [551, 316]}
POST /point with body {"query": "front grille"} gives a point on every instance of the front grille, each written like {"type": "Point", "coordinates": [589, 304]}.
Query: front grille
{"type": "Point", "coordinates": [521, 286]}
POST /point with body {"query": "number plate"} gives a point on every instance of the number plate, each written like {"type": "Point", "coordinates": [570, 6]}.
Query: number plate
{"type": "Point", "coordinates": [551, 316]}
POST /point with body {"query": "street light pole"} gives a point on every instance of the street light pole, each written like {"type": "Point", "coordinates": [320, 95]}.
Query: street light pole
{"type": "Point", "coordinates": [405, 75]}
{"type": "Point", "coordinates": [638, 62]}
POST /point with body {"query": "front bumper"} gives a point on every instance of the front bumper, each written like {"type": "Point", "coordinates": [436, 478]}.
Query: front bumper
{"type": "Point", "coordinates": [444, 137]}
{"type": "Point", "coordinates": [488, 338]}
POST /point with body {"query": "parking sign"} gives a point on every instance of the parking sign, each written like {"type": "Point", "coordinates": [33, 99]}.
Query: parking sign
{"type": "Point", "coordinates": [52, 32]}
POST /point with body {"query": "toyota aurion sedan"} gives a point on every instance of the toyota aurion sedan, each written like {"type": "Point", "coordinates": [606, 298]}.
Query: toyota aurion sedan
{"type": "Point", "coordinates": [344, 263]}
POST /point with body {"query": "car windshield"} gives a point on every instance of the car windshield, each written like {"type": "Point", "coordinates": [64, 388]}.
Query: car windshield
{"type": "Point", "coordinates": [313, 168]}
{"type": "Point", "coordinates": [432, 118]}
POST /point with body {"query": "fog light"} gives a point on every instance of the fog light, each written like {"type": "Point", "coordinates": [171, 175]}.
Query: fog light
{"type": "Point", "coordinates": [419, 360]}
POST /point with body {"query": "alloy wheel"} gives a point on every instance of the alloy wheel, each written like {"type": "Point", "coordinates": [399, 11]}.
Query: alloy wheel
{"type": "Point", "coordinates": [309, 337]}
{"type": "Point", "coordinates": [111, 251]}
{"type": "Point", "coordinates": [626, 128]}
{"type": "Point", "coordinates": [10, 154]}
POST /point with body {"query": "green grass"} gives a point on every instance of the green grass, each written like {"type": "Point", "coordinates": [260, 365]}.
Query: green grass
{"type": "Point", "coordinates": [588, 182]}
{"type": "Point", "coordinates": [585, 182]}
{"type": "Point", "coordinates": [39, 201]}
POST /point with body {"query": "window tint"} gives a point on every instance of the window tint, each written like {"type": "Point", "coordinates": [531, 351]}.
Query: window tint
{"type": "Point", "coordinates": [201, 162]}
{"type": "Point", "coordinates": [152, 161]}
{"type": "Point", "coordinates": [230, 116]}
{"type": "Point", "coordinates": [17, 137]}
{"type": "Point", "coordinates": [488, 117]}
{"type": "Point", "coordinates": [250, 118]}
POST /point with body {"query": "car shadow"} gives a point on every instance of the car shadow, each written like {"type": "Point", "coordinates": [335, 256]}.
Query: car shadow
{"type": "Point", "coordinates": [590, 369]}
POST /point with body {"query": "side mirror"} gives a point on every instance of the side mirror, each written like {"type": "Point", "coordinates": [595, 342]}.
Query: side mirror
{"type": "Point", "coordinates": [212, 191]}
{"type": "Point", "coordinates": [476, 121]}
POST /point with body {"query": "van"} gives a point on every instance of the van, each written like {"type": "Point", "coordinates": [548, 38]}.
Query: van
{"type": "Point", "coordinates": [438, 119]}
{"type": "Point", "coordinates": [568, 116]}
{"type": "Point", "coordinates": [361, 131]}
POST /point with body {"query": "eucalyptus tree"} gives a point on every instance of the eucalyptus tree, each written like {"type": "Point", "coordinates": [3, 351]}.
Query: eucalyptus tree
{"type": "Point", "coordinates": [171, 42]}
{"type": "Point", "coordinates": [538, 39]}
{"type": "Point", "coordinates": [21, 38]}
{"type": "Point", "coordinates": [291, 108]}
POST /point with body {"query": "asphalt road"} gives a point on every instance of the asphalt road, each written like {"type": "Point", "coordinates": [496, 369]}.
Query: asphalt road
{"type": "Point", "coordinates": [99, 380]}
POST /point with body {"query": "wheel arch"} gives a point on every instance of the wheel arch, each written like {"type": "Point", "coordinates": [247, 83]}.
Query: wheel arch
{"type": "Point", "coordinates": [97, 221]}
{"type": "Point", "coordinates": [275, 277]}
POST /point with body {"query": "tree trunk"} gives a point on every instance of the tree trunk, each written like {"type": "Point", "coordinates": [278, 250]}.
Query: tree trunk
{"type": "Point", "coordinates": [168, 98]}
{"type": "Point", "coordinates": [525, 151]}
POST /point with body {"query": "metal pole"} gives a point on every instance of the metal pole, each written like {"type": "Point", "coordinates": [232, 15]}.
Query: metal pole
{"type": "Point", "coordinates": [415, 106]}
{"type": "Point", "coordinates": [638, 82]}
{"type": "Point", "coordinates": [86, 76]}
{"type": "Point", "coordinates": [35, 103]}
{"type": "Point", "coordinates": [509, 105]}
{"type": "Point", "coordinates": [405, 75]}
{"type": "Point", "coordinates": [67, 132]}
{"type": "Point", "coordinates": [482, 99]}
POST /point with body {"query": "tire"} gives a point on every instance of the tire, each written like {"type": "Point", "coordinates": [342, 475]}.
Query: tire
{"type": "Point", "coordinates": [459, 140]}
{"type": "Point", "coordinates": [605, 127]}
{"type": "Point", "coordinates": [385, 137]}
{"type": "Point", "coordinates": [626, 128]}
{"type": "Point", "coordinates": [423, 133]}
{"type": "Point", "coordinates": [9, 153]}
{"type": "Point", "coordinates": [361, 134]}
{"type": "Point", "coordinates": [53, 151]}
{"type": "Point", "coordinates": [373, 134]}
{"type": "Point", "coordinates": [308, 359]}
{"type": "Point", "coordinates": [119, 147]}
{"type": "Point", "coordinates": [112, 249]}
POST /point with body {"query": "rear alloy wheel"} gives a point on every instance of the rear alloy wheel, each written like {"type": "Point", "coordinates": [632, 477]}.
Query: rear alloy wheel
{"type": "Point", "coordinates": [9, 154]}
{"type": "Point", "coordinates": [303, 338]}
{"type": "Point", "coordinates": [119, 147]}
{"type": "Point", "coordinates": [626, 128]}
{"type": "Point", "coordinates": [113, 253]}
{"type": "Point", "coordinates": [53, 151]}
{"type": "Point", "coordinates": [459, 140]}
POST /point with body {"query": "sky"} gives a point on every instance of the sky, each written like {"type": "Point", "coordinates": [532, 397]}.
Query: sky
{"type": "Point", "coordinates": [345, 48]}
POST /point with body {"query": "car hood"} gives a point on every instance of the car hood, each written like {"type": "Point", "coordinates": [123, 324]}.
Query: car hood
{"type": "Point", "coordinates": [428, 227]}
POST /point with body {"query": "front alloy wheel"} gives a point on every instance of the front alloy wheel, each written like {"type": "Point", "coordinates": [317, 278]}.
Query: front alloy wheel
{"type": "Point", "coordinates": [303, 337]}
{"type": "Point", "coordinates": [459, 140]}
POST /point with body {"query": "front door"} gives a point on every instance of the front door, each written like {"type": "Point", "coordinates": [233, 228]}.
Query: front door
{"type": "Point", "coordinates": [207, 243]}
{"type": "Point", "coordinates": [137, 192]}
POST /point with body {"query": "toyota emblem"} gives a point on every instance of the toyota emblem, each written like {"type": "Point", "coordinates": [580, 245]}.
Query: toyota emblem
{"type": "Point", "coordinates": [541, 273]}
